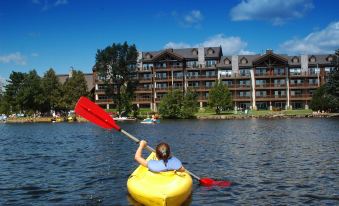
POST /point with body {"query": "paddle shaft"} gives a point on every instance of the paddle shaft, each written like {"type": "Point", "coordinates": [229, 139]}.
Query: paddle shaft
{"type": "Point", "coordinates": [150, 149]}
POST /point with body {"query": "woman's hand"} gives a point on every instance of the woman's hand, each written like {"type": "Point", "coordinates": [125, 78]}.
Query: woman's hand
{"type": "Point", "coordinates": [143, 143]}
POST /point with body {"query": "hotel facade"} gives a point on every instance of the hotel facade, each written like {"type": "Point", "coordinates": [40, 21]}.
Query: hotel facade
{"type": "Point", "coordinates": [265, 81]}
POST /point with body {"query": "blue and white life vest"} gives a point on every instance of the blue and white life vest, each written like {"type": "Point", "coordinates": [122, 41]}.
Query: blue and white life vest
{"type": "Point", "coordinates": [173, 163]}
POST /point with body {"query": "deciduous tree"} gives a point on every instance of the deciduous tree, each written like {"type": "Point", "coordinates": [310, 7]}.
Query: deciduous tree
{"type": "Point", "coordinates": [219, 97]}
{"type": "Point", "coordinates": [116, 66]}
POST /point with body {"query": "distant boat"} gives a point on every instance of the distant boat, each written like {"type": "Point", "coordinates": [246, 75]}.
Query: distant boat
{"type": "Point", "coordinates": [150, 121]}
{"type": "Point", "coordinates": [124, 118]}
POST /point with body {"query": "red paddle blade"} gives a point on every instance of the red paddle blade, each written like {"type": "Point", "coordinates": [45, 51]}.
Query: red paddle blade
{"type": "Point", "coordinates": [95, 114]}
{"type": "Point", "coordinates": [208, 182]}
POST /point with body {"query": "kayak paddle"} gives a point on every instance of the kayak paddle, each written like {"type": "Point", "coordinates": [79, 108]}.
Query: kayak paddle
{"type": "Point", "coordinates": [95, 114]}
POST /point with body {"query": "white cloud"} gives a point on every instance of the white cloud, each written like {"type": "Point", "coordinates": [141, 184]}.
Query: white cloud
{"type": "Point", "coordinates": [276, 11]}
{"type": "Point", "coordinates": [60, 2]}
{"type": "Point", "coordinates": [179, 45]}
{"type": "Point", "coordinates": [192, 19]}
{"type": "Point", "coordinates": [34, 54]}
{"type": "Point", "coordinates": [15, 58]}
{"type": "Point", "coordinates": [230, 45]}
{"type": "Point", "coordinates": [323, 41]}
{"type": "Point", "coordinates": [48, 4]}
{"type": "Point", "coordinates": [36, 1]}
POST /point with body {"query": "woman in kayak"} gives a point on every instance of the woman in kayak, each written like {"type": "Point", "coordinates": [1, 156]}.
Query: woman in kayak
{"type": "Point", "coordinates": [165, 162]}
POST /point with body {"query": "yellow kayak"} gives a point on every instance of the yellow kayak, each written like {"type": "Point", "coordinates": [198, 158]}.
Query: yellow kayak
{"type": "Point", "coordinates": [164, 188]}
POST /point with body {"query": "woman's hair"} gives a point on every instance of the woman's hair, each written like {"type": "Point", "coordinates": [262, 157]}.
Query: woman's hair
{"type": "Point", "coordinates": [163, 151]}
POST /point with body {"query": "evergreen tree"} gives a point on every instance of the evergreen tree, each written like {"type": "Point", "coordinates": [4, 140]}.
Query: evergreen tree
{"type": "Point", "coordinates": [170, 105]}
{"type": "Point", "coordinates": [116, 66]}
{"type": "Point", "coordinates": [189, 104]}
{"type": "Point", "coordinates": [219, 97]}
{"type": "Point", "coordinates": [13, 87]}
{"type": "Point", "coordinates": [73, 88]}
{"type": "Point", "coordinates": [52, 91]}
{"type": "Point", "coordinates": [30, 95]}
{"type": "Point", "coordinates": [176, 105]}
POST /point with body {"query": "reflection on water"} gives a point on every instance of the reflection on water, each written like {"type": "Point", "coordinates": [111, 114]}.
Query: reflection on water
{"type": "Point", "coordinates": [270, 162]}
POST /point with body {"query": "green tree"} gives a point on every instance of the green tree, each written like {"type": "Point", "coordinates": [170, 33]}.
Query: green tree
{"type": "Point", "coordinates": [189, 104]}
{"type": "Point", "coordinates": [219, 97]}
{"type": "Point", "coordinates": [170, 105]}
{"type": "Point", "coordinates": [30, 95]}
{"type": "Point", "coordinates": [116, 66]}
{"type": "Point", "coordinates": [73, 88]}
{"type": "Point", "coordinates": [177, 105]}
{"type": "Point", "coordinates": [326, 97]}
{"type": "Point", "coordinates": [52, 90]}
{"type": "Point", "coordinates": [14, 85]}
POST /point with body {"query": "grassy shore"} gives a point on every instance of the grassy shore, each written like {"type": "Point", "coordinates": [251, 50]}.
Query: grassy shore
{"type": "Point", "coordinates": [206, 113]}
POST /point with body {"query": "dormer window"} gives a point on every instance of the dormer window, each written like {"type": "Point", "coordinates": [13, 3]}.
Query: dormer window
{"type": "Point", "coordinates": [295, 60]}
{"type": "Point", "coordinates": [329, 58]}
{"type": "Point", "coordinates": [243, 61]}
{"type": "Point", "coordinates": [312, 59]}
{"type": "Point", "coordinates": [227, 61]}
{"type": "Point", "coordinates": [210, 51]}
{"type": "Point", "coordinates": [195, 52]}
{"type": "Point", "coordinates": [148, 56]}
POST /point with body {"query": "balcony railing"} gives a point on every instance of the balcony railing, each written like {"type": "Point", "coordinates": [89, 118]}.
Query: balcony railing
{"type": "Point", "coordinates": [304, 85]}
{"type": "Point", "coordinates": [142, 99]}
{"type": "Point", "coordinates": [303, 74]}
{"type": "Point", "coordinates": [301, 96]}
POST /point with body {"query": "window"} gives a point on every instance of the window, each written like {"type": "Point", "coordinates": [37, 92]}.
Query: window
{"type": "Point", "coordinates": [147, 67]}
{"type": "Point", "coordinates": [193, 74]}
{"type": "Point", "coordinates": [260, 82]}
{"type": "Point", "coordinates": [209, 84]}
{"type": "Point", "coordinates": [312, 59]}
{"type": "Point", "coordinates": [279, 71]}
{"type": "Point", "coordinates": [148, 55]}
{"type": "Point", "coordinates": [227, 83]}
{"type": "Point", "coordinates": [227, 61]}
{"type": "Point", "coordinates": [210, 51]}
{"type": "Point", "coordinates": [295, 60]}
{"type": "Point", "coordinates": [210, 63]}
{"type": "Point", "coordinates": [313, 81]}
{"type": "Point", "coordinates": [243, 61]}
{"type": "Point", "coordinates": [195, 52]}
{"type": "Point", "coordinates": [261, 93]}
{"type": "Point", "coordinates": [178, 74]}
{"type": "Point", "coordinates": [162, 85]}
{"type": "Point", "coordinates": [210, 73]}
{"type": "Point", "coordinates": [192, 64]}
{"type": "Point", "coordinates": [162, 75]}
{"type": "Point", "coordinates": [295, 71]}
{"type": "Point", "coordinates": [193, 84]}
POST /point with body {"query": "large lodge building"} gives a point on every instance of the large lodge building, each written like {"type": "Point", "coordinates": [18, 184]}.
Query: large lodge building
{"type": "Point", "coordinates": [256, 81]}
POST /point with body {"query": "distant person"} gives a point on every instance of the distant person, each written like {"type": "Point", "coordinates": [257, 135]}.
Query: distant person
{"type": "Point", "coordinates": [165, 161]}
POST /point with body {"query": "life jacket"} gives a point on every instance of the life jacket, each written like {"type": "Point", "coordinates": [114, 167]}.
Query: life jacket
{"type": "Point", "coordinates": [173, 163]}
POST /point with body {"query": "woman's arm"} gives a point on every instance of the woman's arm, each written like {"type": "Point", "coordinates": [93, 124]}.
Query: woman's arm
{"type": "Point", "coordinates": [138, 154]}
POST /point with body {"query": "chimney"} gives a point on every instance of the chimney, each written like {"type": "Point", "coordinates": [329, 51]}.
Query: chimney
{"type": "Point", "coordinates": [269, 51]}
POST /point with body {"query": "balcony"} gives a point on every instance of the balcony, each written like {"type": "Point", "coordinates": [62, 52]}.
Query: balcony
{"type": "Point", "coordinates": [270, 97]}
{"type": "Point", "coordinates": [269, 75]}
{"type": "Point", "coordinates": [301, 97]}
{"type": "Point", "coordinates": [270, 86]}
{"type": "Point", "coordinates": [303, 74]}
{"type": "Point", "coordinates": [104, 101]}
{"type": "Point", "coordinates": [304, 85]}
{"type": "Point", "coordinates": [241, 98]}
{"type": "Point", "coordinates": [161, 89]}
{"type": "Point", "coordinates": [142, 100]}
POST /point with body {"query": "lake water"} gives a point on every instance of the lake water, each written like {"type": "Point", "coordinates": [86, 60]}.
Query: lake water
{"type": "Point", "coordinates": [270, 162]}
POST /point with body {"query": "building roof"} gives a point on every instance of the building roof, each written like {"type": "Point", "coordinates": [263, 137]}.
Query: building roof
{"type": "Point", "coordinates": [88, 77]}
{"type": "Point", "coordinates": [187, 53]}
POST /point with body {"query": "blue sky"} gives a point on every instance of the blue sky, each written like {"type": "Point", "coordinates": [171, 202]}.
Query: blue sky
{"type": "Point", "coordinates": [40, 34]}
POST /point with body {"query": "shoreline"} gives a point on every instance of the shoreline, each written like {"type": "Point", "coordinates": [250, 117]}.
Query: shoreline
{"type": "Point", "coordinates": [199, 117]}
{"type": "Point", "coordinates": [267, 116]}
